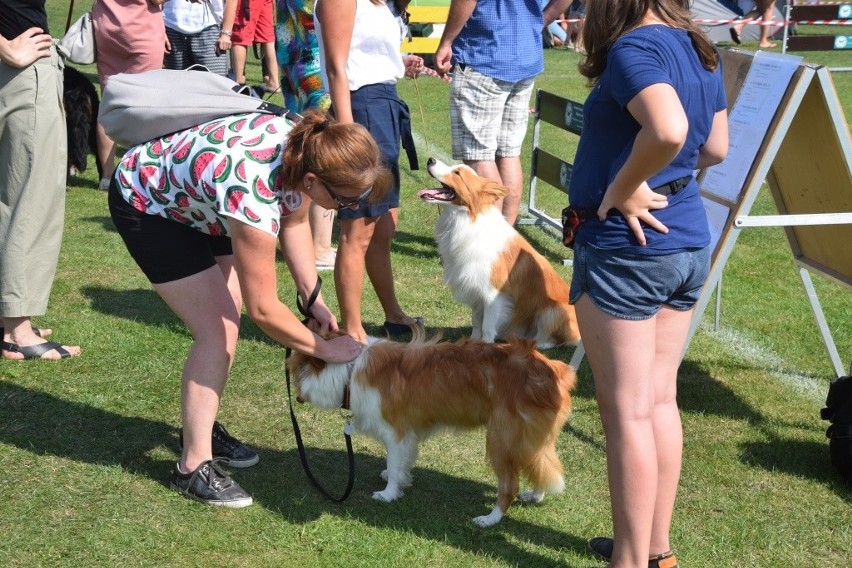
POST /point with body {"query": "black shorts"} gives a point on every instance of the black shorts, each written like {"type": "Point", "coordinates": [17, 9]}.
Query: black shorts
{"type": "Point", "coordinates": [165, 250]}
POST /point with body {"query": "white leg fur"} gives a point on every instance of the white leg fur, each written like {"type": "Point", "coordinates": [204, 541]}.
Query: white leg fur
{"type": "Point", "coordinates": [531, 496]}
{"type": "Point", "coordinates": [495, 316]}
{"type": "Point", "coordinates": [401, 457]}
{"type": "Point", "coordinates": [490, 519]}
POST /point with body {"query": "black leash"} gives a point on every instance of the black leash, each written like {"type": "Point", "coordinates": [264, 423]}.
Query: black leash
{"type": "Point", "coordinates": [347, 431]}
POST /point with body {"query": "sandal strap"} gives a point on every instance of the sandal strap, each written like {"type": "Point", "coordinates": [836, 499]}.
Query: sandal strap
{"type": "Point", "coordinates": [36, 351]}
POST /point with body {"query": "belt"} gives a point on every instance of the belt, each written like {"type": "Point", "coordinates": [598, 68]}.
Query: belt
{"type": "Point", "coordinates": [673, 186]}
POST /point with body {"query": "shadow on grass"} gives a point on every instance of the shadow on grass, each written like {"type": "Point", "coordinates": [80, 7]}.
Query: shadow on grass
{"type": "Point", "coordinates": [139, 305]}
{"type": "Point", "coordinates": [438, 507]}
{"type": "Point", "coordinates": [418, 246]}
{"type": "Point", "coordinates": [796, 457]}
{"type": "Point", "coordinates": [46, 425]}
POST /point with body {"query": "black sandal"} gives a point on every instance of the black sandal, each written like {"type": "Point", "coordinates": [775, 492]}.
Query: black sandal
{"type": "Point", "coordinates": [36, 351]}
{"type": "Point", "coordinates": [602, 546]}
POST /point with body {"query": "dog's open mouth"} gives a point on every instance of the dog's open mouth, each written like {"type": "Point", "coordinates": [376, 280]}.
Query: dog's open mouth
{"type": "Point", "coordinates": [441, 194]}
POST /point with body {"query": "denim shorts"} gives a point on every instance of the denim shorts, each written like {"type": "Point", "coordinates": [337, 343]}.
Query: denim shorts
{"type": "Point", "coordinates": [635, 286]}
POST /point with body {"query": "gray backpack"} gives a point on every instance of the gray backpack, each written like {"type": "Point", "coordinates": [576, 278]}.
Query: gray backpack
{"type": "Point", "coordinates": [138, 107]}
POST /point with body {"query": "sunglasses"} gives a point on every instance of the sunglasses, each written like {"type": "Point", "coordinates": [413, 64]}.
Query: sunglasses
{"type": "Point", "coordinates": [351, 203]}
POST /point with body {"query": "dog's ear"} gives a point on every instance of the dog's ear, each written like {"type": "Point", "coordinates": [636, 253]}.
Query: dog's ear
{"type": "Point", "coordinates": [487, 190]}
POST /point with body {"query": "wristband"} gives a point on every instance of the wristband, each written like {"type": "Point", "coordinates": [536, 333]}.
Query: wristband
{"type": "Point", "coordinates": [225, 32]}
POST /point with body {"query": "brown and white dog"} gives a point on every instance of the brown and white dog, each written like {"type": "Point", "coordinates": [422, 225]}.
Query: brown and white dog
{"type": "Point", "coordinates": [512, 289]}
{"type": "Point", "coordinates": [400, 393]}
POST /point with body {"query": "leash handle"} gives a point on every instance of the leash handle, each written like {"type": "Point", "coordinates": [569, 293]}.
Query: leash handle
{"type": "Point", "coordinates": [305, 310]}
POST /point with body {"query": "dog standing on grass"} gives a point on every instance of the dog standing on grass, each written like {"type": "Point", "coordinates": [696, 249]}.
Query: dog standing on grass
{"type": "Point", "coordinates": [512, 289]}
{"type": "Point", "coordinates": [400, 393]}
{"type": "Point", "coordinates": [81, 102]}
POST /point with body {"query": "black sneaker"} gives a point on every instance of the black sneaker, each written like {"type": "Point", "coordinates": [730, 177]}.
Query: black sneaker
{"type": "Point", "coordinates": [228, 448]}
{"type": "Point", "coordinates": [209, 484]}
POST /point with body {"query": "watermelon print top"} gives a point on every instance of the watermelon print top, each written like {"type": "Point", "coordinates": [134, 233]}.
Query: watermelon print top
{"type": "Point", "coordinates": [201, 177]}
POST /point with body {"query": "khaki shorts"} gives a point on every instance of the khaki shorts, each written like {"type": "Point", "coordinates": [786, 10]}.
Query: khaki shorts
{"type": "Point", "coordinates": [489, 117]}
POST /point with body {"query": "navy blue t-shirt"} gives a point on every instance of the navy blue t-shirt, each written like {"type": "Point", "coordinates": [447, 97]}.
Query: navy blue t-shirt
{"type": "Point", "coordinates": [646, 56]}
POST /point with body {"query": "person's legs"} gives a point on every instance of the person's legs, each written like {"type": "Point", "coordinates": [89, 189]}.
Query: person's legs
{"type": "Point", "coordinates": [32, 191]}
{"type": "Point", "coordinates": [621, 355]}
{"type": "Point", "coordinates": [214, 331]}
{"type": "Point", "coordinates": [106, 156]}
{"type": "Point", "coordinates": [322, 225]}
{"type": "Point", "coordinates": [671, 333]}
{"type": "Point", "coordinates": [274, 79]}
{"type": "Point", "coordinates": [355, 237]}
{"type": "Point", "coordinates": [378, 263]}
{"type": "Point", "coordinates": [511, 176]}
{"type": "Point", "coordinates": [767, 9]}
{"type": "Point", "coordinates": [238, 63]}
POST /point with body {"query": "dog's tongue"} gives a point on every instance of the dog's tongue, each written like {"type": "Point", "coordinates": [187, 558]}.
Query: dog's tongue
{"type": "Point", "coordinates": [439, 194]}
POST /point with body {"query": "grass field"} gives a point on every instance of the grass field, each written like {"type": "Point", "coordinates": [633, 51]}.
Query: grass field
{"type": "Point", "coordinates": [86, 445]}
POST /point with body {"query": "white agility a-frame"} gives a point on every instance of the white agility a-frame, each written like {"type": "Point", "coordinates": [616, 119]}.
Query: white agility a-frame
{"type": "Point", "coordinates": [803, 154]}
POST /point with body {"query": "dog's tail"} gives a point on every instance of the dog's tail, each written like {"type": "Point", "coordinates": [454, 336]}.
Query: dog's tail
{"type": "Point", "coordinates": [544, 472]}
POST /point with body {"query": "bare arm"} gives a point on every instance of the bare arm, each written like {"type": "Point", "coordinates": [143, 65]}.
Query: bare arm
{"type": "Point", "coordinates": [716, 147]}
{"type": "Point", "coordinates": [460, 11]}
{"type": "Point", "coordinates": [337, 18]}
{"type": "Point", "coordinates": [254, 260]}
{"type": "Point", "coordinates": [554, 10]}
{"type": "Point", "coordinates": [664, 126]}
{"type": "Point", "coordinates": [25, 49]}
{"type": "Point", "coordinates": [300, 259]}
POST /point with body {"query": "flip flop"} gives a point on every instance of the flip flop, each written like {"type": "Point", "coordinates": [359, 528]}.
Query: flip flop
{"type": "Point", "coordinates": [397, 329]}
{"type": "Point", "coordinates": [735, 36]}
{"type": "Point", "coordinates": [36, 351]}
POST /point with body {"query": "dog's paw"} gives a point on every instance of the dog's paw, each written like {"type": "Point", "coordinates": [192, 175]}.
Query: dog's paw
{"type": "Point", "coordinates": [387, 495]}
{"type": "Point", "coordinates": [490, 519]}
{"type": "Point", "coordinates": [531, 496]}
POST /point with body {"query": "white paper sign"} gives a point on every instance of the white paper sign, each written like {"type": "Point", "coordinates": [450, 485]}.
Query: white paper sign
{"type": "Point", "coordinates": [749, 120]}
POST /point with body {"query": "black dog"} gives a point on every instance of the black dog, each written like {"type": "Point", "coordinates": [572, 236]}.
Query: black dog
{"type": "Point", "coordinates": [81, 117]}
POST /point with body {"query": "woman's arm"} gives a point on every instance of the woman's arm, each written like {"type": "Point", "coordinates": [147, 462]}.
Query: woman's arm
{"type": "Point", "coordinates": [716, 147]}
{"type": "Point", "coordinates": [254, 261]}
{"type": "Point", "coordinates": [337, 18]}
{"type": "Point", "coordinates": [300, 259]}
{"type": "Point", "coordinates": [664, 126]}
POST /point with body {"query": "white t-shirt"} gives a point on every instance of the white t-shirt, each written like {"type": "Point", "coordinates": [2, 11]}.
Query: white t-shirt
{"type": "Point", "coordinates": [374, 55]}
{"type": "Point", "coordinates": [191, 17]}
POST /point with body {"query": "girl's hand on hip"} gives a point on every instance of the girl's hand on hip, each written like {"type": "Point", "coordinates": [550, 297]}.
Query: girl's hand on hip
{"type": "Point", "coordinates": [636, 208]}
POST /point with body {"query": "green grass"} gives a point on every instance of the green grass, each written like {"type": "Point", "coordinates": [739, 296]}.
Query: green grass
{"type": "Point", "coordinates": [87, 444]}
